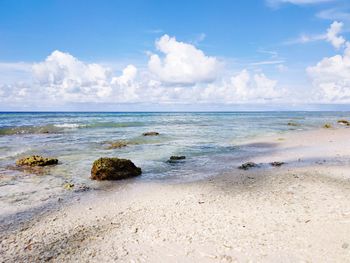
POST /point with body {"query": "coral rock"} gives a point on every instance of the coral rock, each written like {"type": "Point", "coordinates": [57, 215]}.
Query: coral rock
{"type": "Point", "coordinates": [113, 169]}
{"type": "Point", "coordinates": [36, 160]}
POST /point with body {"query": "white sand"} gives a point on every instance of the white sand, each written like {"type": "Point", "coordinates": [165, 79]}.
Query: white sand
{"type": "Point", "coordinates": [299, 212]}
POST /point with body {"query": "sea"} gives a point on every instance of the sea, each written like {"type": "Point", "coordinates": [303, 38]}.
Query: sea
{"type": "Point", "coordinates": [213, 143]}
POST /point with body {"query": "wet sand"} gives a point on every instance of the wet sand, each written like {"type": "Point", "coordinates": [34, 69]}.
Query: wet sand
{"type": "Point", "coordinates": [299, 212]}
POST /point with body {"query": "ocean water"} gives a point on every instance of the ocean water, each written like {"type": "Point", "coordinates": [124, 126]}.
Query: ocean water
{"type": "Point", "coordinates": [208, 140]}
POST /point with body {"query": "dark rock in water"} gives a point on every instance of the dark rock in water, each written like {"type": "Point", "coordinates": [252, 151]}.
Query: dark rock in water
{"type": "Point", "coordinates": [113, 169]}
{"type": "Point", "coordinates": [327, 126]}
{"type": "Point", "coordinates": [36, 160]}
{"type": "Point", "coordinates": [344, 122]}
{"type": "Point", "coordinates": [277, 164]}
{"type": "Point", "coordinates": [117, 145]}
{"type": "Point", "coordinates": [150, 133]}
{"type": "Point", "coordinates": [175, 159]}
{"type": "Point", "coordinates": [293, 124]}
{"type": "Point", "coordinates": [248, 165]}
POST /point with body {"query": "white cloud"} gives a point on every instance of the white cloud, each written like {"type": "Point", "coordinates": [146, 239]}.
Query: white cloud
{"type": "Point", "coordinates": [273, 54]}
{"type": "Point", "coordinates": [332, 35]}
{"type": "Point", "coordinates": [334, 14]}
{"type": "Point", "coordinates": [267, 62]}
{"type": "Point", "coordinates": [276, 3]}
{"type": "Point", "coordinates": [182, 63]}
{"type": "Point", "coordinates": [243, 87]}
{"type": "Point", "coordinates": [304, 38]}
{"type": "Point", "coordinates": [128, 76]}
{"type": "Point", "coordinates": [65, 76]}
{"type": "Point", "coordinates": [12, 72]}
{"type": "Point", "coordinates": [184, 75]}
{"type": "Point", "coordinates": [331, 77]}
{"type": "Point", "coordinates": [281, 68]}
{"type": "Point", "coordinates": [199, 38]}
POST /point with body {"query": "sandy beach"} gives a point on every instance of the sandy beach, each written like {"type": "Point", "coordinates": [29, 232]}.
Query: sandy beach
{"type": "Point", "coordinates": [299, 212]}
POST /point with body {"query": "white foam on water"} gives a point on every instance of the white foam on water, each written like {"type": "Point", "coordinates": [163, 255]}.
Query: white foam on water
{"type": "Point", "coordinates": [68, 125]}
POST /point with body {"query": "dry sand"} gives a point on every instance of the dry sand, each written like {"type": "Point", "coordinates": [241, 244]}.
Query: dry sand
{"type": "Point", "coordinates": [299, 212]}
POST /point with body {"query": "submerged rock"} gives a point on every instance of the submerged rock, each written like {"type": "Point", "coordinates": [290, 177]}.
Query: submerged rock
{"type": "Point", "coordinates": [248, 165]}
{"type": "Point", "coordinates": [150, 133]}
{"type": "Point", "coordinates": [277, 164]}
{"type": "Point", "coordinates": [117, 145]}
{"type": "Point", "coordinates": [293, 124]}
{"type": "Point", "coordinates": [175, 158]}
{"type": "Point", "coordinates": [36, 160]}
{"type": "Point", "coordinates": [327, 126]}
{"type": "Point", "coordinates": [344, 122]}
{"type": "Point", "coordinates": [113, 169]}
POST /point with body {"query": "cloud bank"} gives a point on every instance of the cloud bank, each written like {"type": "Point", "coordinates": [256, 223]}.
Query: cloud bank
{"type": "Point", "coordinates": [176, 73]}
{"type": "Point", "coordinates": [179, 73]}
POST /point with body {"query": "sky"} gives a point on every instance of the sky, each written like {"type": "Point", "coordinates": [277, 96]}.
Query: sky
{"type": "Point", "coordinates": [153, 55]}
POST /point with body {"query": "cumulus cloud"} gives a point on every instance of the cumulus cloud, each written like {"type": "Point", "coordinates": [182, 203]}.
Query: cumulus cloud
{"type": "Point", "coordinates": [331, 77]}
{"type": "Point", "coordinates": [64, 75]}
{"type": "Point", "coordinates": [183, 74]}
{"type": "Point", "coordinates": [243, 87]}
{"type": "Point", "coordinates": [332, 35]}
{"type": "Point", "coordinates": [182, 63]}
{"type": "Point", "coordinates": [128, 76]}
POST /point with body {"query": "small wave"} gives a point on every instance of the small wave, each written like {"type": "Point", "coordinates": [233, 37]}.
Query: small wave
{"type": "Point", "coordinates": [61, 127]}
{"type": "Point", "coordinates": [69, 125]}
{"type": "Point", "coordinates": [7, 152]}
{"type": "Point", "coordinates": [114, 124]}
{"type": "Point", "coordinates": [18, 130]}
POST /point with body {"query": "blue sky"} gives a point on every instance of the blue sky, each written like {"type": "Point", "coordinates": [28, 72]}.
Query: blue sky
{"type": "Point", "coordinates": [169, 54]}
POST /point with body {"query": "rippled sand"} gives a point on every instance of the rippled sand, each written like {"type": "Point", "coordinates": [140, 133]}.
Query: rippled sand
{"type": "Point", "coordinates": [299, 212]}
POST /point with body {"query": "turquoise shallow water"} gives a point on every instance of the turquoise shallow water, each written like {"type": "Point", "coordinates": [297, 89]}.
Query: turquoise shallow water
{"type": "Point", "coordinates": [208, 140]}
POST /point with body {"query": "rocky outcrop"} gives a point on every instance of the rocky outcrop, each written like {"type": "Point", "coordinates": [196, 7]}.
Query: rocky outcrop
{"type": "Point", "coordinates": [113, 169]}
{"type": "Point", "coordinates": [152, 133]}
{"type": "Point", "coordinates": [344, 122]}
{"type": "Point", "coordinates": [36, 160]}
{"type": "Point", "coordinates": [248, 165]}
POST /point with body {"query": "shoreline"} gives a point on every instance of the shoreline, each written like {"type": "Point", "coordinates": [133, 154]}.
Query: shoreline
{"type": "Point", "coordinates": [296, 212]}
